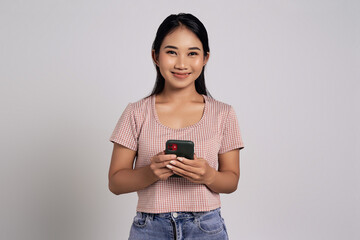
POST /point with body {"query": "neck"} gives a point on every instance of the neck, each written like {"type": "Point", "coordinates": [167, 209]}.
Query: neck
{"type": "Point", "coordinates": [180, 95]}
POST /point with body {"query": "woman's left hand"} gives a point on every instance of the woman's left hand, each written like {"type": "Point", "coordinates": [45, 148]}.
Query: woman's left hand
{"type": "Point", "coordinates": [197, 170]}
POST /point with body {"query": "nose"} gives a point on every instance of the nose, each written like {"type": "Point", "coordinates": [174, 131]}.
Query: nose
{"type": "Point", "coordinates": [181, 63]}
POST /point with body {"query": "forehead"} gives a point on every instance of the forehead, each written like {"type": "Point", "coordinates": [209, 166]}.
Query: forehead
{"type": "Point", "coordinates": [182, 37]}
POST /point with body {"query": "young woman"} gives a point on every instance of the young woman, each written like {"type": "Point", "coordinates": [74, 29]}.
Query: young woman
{"type": "Point", "coordinates": [185, 207]}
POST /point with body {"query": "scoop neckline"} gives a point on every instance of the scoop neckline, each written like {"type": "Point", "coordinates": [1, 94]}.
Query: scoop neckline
{"type": "Point", "coordinates": [184, 128]}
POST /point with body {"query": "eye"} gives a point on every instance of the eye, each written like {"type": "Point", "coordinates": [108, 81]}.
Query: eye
{"type": "Point", "coordinates": [170, 52]}
{"type": "Point", "coordinates": [193, 53]}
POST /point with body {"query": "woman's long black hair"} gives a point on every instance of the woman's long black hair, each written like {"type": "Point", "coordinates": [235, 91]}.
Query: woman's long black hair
{"type": "Point", "coordinates": [167, 26]}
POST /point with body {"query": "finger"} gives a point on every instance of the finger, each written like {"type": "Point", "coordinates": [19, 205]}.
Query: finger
{"type": "Point", "coordinates": [160, 153]}
{"type": "Point", "coordinates": [195, 157]}
{"type": "Point", "coordinates": [167, 175]}
{"type": "Point", "coordinates": [162, 171]}
{"type": "Point", "coordinates": [181, 165]}
{"type": "Point", "coordinates": [182, 172]}
{"type": "Point", "coordinates": [162, 164]}
{"type": "Point", "coordinates": [165, 157]}
{"type": "Point", "coordinates": [184, 169]}
{"type": "Point", "coordinates": [189, 162]}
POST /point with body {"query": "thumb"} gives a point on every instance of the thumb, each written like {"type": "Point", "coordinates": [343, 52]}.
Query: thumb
{"type": "Point", "coordinates": [195, 157]}
{"type": "Point", "coordinates": [160, 153]}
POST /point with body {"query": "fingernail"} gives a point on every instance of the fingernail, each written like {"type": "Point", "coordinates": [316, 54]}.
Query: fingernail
{"type": "Point", "coordinates": [169, 166]}
{"type": "Point", "coordinates": [180, 159]}
{"type": "Point", "coordinates": [173, 162]}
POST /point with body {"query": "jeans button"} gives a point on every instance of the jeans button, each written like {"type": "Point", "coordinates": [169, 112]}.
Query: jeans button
{"type": "Point", "coordinates": [175, 215]}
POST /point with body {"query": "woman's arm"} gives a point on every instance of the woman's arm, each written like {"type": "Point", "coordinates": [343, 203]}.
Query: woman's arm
{"type": "Point", "coordinates": [225, 180]}
{"type": "Point", "coordinates": [124, 179]}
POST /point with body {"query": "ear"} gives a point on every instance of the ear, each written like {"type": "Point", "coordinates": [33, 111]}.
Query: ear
{"type": "Point", "coordinates": [154, 57]}
{"type": "Point", "coordinates": [206, 59]}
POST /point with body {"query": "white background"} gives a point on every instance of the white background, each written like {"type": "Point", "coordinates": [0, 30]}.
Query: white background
{"type": "Point", "coordinates": [289, 68]}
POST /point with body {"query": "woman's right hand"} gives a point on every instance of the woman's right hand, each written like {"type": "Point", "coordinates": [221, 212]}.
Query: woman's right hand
{"type": "Point", "coordinates": [158, 165]}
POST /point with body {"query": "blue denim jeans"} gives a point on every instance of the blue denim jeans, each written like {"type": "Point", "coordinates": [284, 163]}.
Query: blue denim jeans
{"type": "Point", "coordinates": [179, 226]}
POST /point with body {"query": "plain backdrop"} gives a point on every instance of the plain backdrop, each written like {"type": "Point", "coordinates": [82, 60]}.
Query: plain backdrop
{"type": "Point", "coordinates": [290, 69]}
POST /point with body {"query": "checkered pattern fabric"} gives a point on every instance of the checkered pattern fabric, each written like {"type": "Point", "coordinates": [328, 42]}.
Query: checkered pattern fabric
{"type": "Point", "coordinates": [217, 132]}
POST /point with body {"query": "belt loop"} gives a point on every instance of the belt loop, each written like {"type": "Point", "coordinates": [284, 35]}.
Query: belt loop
{"type": "Point", "coordinates": [219, 211]}
{"type": "Point", "coordinates": [150, 216]}
{"type": "Point", "coordinates": [196, 214]}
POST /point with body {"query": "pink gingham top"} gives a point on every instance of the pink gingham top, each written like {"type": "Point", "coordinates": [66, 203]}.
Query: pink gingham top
{"type": "Point", "coordinates": [139, 129]}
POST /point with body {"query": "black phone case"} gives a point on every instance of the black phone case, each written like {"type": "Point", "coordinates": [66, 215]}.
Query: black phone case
{"type": "Point", "coordinates": [184, 148]}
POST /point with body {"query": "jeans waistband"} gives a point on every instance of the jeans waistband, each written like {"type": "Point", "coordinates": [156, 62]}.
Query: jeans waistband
{"type": "Point", "coordinates": [178, 214]}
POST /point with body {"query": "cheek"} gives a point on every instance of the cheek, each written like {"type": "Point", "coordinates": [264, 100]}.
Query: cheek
{"type": "Point", "coordinates": [165, 60]}
{"type": "Point", "coordinates": [198, 63]}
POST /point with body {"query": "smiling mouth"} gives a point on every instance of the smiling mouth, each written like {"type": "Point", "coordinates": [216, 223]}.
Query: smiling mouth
{"type": "Point", "coordinates": [180, 73]}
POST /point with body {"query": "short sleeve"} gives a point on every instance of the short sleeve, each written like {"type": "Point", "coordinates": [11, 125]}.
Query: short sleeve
{"type": "Point", "coordinates": [231, 137]}
{"type": "Point", "coordinates": [125, 132]}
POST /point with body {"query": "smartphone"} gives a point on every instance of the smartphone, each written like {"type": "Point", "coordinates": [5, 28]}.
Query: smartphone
{"type": "Point", "coordinates": [181, 148]}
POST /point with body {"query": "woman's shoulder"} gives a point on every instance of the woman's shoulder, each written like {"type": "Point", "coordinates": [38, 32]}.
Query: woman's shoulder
{"type": "Point", "coordinates": [141, 105]}
{"type": "Point", "coordinates": [218, 106]}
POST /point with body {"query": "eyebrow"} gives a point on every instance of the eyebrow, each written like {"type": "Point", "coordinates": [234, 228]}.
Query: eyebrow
{"type": "Point", "coordinates": [191, 48]}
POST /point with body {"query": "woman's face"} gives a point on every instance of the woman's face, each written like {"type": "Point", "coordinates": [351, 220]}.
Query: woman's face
{"type": "Point", "coordinates": [181, 58]}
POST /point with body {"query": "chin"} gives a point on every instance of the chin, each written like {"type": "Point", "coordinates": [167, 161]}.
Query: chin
{"type": "Point", "coordinates": [180, 85]}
